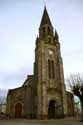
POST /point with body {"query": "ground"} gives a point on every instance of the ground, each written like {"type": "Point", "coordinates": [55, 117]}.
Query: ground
{"type": "Point", "coordinates": [66, 121]}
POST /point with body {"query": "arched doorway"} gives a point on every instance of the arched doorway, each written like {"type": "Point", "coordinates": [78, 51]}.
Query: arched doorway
{"type": "Point", "coordinates": [51, 109]}
{"type": "Point", "coordinates": [18, 110]}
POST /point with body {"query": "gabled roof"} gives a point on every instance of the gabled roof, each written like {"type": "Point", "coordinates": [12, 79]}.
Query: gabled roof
{"type": "Point", "coordinates": [45, 18]}
{"type": "Point", "coordinates": [28, 81]}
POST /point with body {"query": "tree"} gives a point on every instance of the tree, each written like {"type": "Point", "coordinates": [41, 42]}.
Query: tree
{"type": "Point", "coordinates": [75, 83]}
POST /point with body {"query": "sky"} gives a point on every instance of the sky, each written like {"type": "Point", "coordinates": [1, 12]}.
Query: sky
{"type": "Point", "coordinates": [19, 25]}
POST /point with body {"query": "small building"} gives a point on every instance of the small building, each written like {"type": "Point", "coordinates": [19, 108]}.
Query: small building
{"type": "Point", "coordinates": [2, 108]}
{"type": "Point", "coordinates": [70, 104]}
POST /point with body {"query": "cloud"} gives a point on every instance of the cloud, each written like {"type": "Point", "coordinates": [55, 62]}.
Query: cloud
{"type": "Point", "coordinates": [18, 28]}
{"type": "Point", "coordinates": [14, 79]}
{"type": "Point", "coordinates": [12, 2]}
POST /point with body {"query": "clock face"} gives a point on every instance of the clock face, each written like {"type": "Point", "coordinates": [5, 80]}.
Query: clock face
{"type": "Point", "coordinates": [50, 52]}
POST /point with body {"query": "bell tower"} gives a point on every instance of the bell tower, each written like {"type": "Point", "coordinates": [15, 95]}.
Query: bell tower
{"type": "Point", "coordinates": [48, 72]}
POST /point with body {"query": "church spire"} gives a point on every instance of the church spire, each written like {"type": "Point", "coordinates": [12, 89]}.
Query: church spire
{"type": "Point", "coordinates": [45, 18]}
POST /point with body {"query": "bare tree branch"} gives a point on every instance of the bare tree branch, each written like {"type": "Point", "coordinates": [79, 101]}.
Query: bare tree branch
{"type": "Point", "coordinates": [75, 82]}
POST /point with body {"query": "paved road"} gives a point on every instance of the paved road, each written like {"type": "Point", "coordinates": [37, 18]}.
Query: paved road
{"type": "Point", "coordinates": [66, 121]}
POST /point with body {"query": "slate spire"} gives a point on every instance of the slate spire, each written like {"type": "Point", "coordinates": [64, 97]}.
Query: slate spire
{"type": "Point", "coordinates": [45, 18]}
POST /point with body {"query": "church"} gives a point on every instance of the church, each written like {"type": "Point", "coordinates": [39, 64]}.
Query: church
{"type": "Point", "coordinates": [43, 95]}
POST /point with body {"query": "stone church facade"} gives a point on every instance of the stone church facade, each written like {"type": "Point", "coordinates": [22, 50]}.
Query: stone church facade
{"type": "Point", "coordinates": [43, 94]}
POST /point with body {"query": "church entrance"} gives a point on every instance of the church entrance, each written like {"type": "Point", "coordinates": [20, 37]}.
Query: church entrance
{"type": "Point", "coordinates": [18, 110]}
{"type": "Point", "coordinates": [51, 109]}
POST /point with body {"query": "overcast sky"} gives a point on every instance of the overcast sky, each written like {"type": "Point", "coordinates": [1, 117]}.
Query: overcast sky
{"type": "Point", "coordinates": [19, 23]}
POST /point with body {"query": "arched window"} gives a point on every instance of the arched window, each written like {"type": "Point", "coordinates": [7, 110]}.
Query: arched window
{"type": "Point", "coordinates": [43, 30]}
{"type": "Point", "coordinates": [53, 73]}
{"type": "Point", "coordinates": [49, 40]}
{"type": "Point", "coordinates": [48, 30]}
{"type": "Point", "coordinates": [51, 69]}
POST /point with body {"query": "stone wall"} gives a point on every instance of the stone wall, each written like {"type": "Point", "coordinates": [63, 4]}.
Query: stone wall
{"type": "Point", "coordinates": [22, 95]}
{"type": "Point", "coordinates": [70, 104]}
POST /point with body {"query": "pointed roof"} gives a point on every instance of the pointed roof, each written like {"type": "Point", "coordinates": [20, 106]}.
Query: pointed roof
{"type": "Point", "coordinates": [45, 18]}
